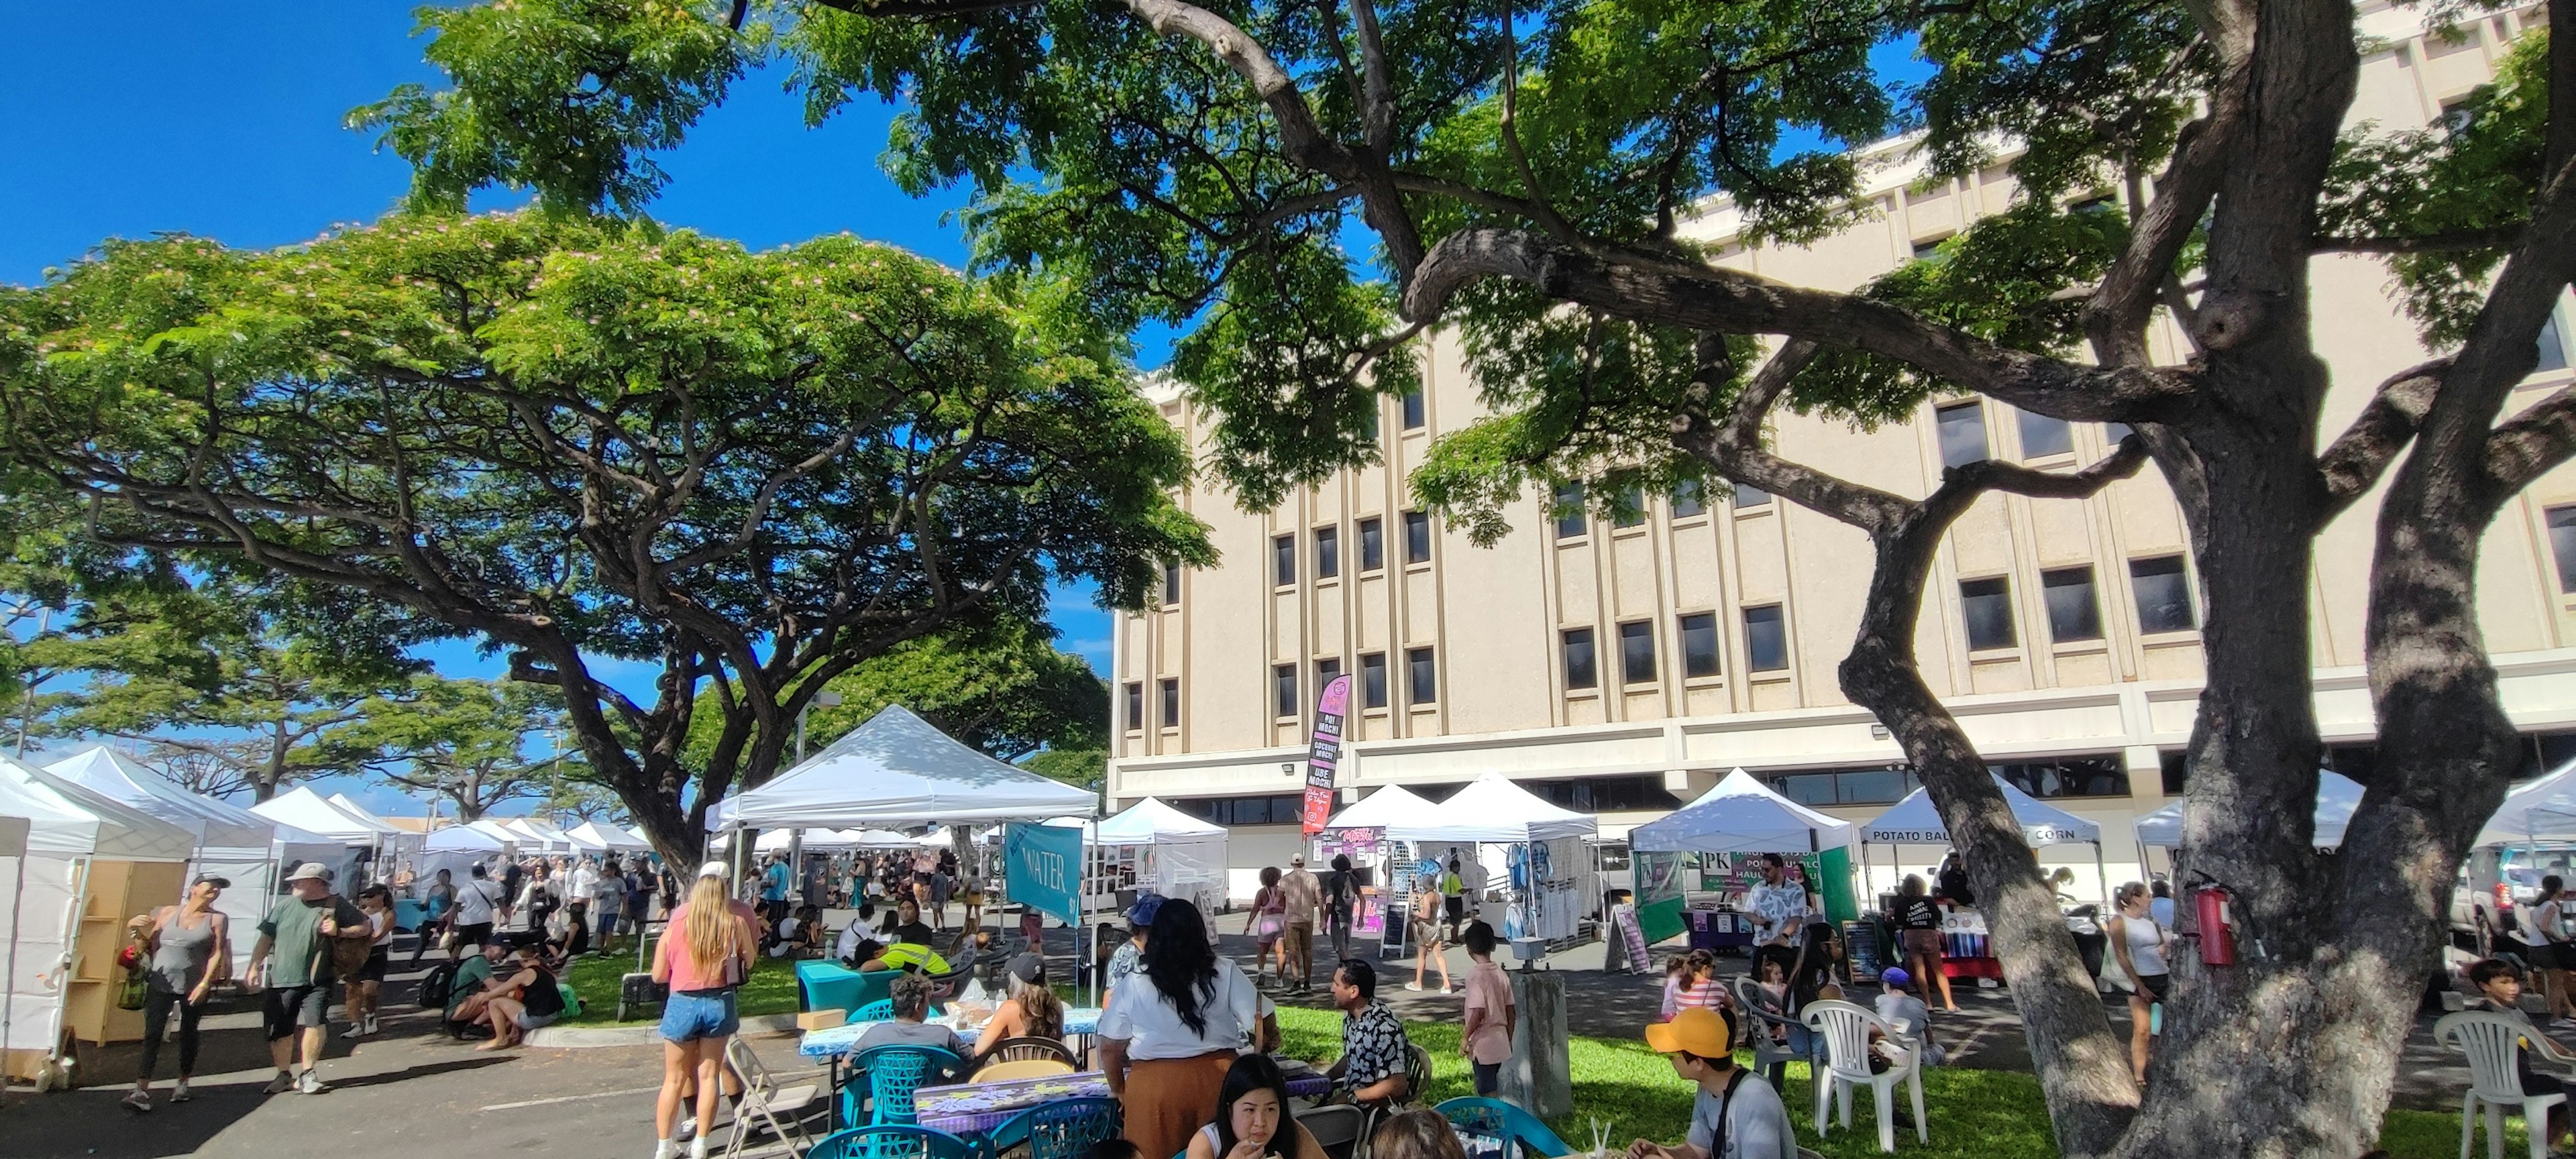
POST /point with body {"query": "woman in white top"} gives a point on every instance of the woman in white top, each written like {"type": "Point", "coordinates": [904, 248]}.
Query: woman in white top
{"type": "Point", "coordinates": [2140, 944]}
{"type": "Point", "coordinates": [1171, 1031]}
{"type": "Point", "coordinates": [365, 986]}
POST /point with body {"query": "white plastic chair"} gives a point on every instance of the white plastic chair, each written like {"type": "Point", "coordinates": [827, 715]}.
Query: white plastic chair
{"type": "Point", "coordinates": [1846, 1030]}
{"type": "Point", "coordinates": [2490, 1040]}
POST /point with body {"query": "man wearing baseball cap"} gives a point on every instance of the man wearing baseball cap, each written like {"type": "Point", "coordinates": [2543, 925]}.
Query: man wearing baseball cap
{"type": "Point", "coordinates": [300, 930]}
{"type": "Point", "coordinates": [1735, 1115]}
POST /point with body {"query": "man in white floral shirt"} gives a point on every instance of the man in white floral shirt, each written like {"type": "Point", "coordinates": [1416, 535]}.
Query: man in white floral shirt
{"type": "Point", "coordinates": [1781, 904]}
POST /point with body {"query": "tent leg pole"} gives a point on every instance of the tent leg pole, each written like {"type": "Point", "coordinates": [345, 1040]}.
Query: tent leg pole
{"type": "Point", "coordinates": [17, 908]}
{"type": "Point", "coordinates": [2102, 875]}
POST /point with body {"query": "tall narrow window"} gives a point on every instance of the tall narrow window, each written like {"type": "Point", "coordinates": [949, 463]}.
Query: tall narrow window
{"type": "Point", "coordinates": [2562, 543]}
{"type": "Point", "coordinates": [2164, 594]}
{"type": "Point", "coordinates": [1687, 499]}
{"type": "Point", "coordinates": [1423, 678]}
{"type": "Point", "coordinates": [1325, 671]}
{"type": "Point", "coordinates": [1417, 537]}
{"type": "Point", "coordinates": [1986, 605]}
{"type": "Point", "coordinates": [1569, 519]}
{"type": "Point", "coordinates": [1637, 652]}
{"type": "Point", "coordinates": [1171, 584]}
{"type": "Point", "coordinates": [1283, 690]}
{"type": "Point", "coordinates": [1373, 680]}
{"type": "Point", "coordinates": [2072, 612]}
{"type": "Point", "coordinates": [1413, 410]}
{"type": "Point", "coordinates": [2553, 343]}
{"type": "Point", "coordinates": [2042, 436]}
{"type": "Point", "coordinates": [1171, 704]}
{"type": "Point", "coordinates": [1580, 669]}
{"type": "Point", "coordinates": [1328, 552]}
{"type": "Point", "coordinates": [1135, 706]}
{"type": "Point", "coordinates": [1750, 496]}
{"type": "Point", "coordinates": [1283, 560]}
{"type": "Point", "coordinates": [1368, 422]}
{"type": "Point", "coordinates": [1962, 428]}
{"type": "Point", "coordinates": [1632, 509]}
{"type": "Point", "coordinates": [1699, 644]}
{"type": "Point", "coordinates": [1766, 639]}
{"type": "Point", "coordinates": [1372, 545]}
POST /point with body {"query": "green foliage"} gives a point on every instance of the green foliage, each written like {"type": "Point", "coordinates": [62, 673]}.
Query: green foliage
{"type": "Point", "coordinates": [2084, 87]}
{"type": "Point", "coordinates": [2477, 174]}
{"type": "Point", "coordinates": [581, 439]}
{"type": "Point", "coordinates": [465, 740]}
{"type": "Point", "coordinates": [1085, 768]}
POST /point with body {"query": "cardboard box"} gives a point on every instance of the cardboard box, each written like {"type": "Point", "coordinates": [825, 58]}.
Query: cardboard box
{"type": "Point", "coordinates": [822, 1019]}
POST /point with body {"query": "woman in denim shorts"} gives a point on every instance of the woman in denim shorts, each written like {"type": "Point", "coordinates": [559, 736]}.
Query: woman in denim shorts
{"type": "Point", "coordinates": [703, 957]}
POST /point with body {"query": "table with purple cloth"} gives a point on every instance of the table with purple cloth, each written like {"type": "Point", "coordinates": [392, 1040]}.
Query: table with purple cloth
{"type": "Point", "coordinates": [978, 1108]}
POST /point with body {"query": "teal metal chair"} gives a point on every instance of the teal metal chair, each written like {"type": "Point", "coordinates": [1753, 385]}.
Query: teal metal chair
{"type": "Point", "coordinates": [1062, 1130]}
{"type": "Point", "coordinates": [890, 1141]}
{"type": "Point", "coordinates": [1508, 1126]}
{"type": "Point", "coordinates": [888, 1075]}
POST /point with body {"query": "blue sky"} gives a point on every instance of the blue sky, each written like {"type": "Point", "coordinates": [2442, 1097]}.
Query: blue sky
{"type": "Point", "coordinates": [224, 120]}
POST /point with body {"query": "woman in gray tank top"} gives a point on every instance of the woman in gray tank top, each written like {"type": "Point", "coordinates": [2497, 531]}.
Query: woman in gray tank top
{"type": "Point", "coordinates": [189, 944]}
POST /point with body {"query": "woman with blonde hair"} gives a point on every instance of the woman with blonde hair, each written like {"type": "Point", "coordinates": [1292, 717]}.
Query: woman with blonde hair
{"type": "Point", "coordinates": [1032, 1010]}
{"type": "Point", "coordinates": [704, 957]}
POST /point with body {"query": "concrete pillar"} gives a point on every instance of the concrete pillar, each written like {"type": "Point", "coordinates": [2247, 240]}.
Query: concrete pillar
{"type": "Point", "coordinates": [1539, 1075]}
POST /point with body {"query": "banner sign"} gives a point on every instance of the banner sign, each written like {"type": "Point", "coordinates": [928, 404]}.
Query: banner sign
{"type": "Point", "coordinates": [1326, 754]}
{"type": "Point", "coordinates": [1043, 868]}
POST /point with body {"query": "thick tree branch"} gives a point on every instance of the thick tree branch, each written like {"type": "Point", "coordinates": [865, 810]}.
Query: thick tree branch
{"type": "Point", "coordinates": [2530, 444]}
{"type": "Point", "coordinates": [2453, 241]}
{"type": "Point", "coordinates": [2358, 457]}
{"type": "Point", "coordinates": [2115, 318]}
{"type": "Point", "coordinates": [1659, 289]}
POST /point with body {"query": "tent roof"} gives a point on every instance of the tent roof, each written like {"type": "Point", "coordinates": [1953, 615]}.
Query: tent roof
{"type": "Point", "coordinates": [2542, 812]}
{"type": "Point", "coordinates": [1385, 807]}
{"type": "Point", "coordinates": [215, 824]}
{"type": "Point", "coordinates": [1492, 808]}
{"type": "Point", "coordinates": [471, 837]}
{"type": "Point", "coordinates": [899, 768]}
{"type": "Point", "coordinates": [71, 820]}
{"type": "Point", "coordinates": [2337, 799]}
{"type": "Point", "coordinates": [1741, 815]}
{"type": "Point", "coordinates": [531, 831]}
{"type": "Point", "coordinates": [1149, 821]}
{"type": "Point", "coordinates": [342, 802]}
{"type": "Point", "coordinates": [305, 809]}
{"type": "Point", "coordinates": [1914, 821]}
{"type": "Point", "coordinates": [599, 836]}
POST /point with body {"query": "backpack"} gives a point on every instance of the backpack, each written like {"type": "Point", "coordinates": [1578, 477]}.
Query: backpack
{"type": "Point", "coordinates": [435, 985]}
{"type": "Point", "coordinates": [349, 953]}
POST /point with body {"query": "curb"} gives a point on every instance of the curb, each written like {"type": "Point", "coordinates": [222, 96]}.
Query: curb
{"type": "Point", "coordinates": [646, 1034]}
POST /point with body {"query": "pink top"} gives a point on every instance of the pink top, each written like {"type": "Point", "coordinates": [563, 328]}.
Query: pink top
{"type": "Point", "coordinates": [1488, 990]}
{"type": "Point", "coordinates": [1708, 994]}
{"type": "Point", "coordinates": [673, 954]}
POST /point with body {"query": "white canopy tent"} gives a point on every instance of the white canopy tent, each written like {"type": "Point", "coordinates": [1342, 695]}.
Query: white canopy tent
{"type": "Point", "coordinates": [1387, 806]}
{"type": "Point", "coordinates": [1741, 815]}
{"type": "Point", "coordinates": [608, 837]}
{"type": "Point", "coordinates": [899, 769]}
{"type": "Point", "coordinates": [233, 843]}
{"type": "Point", "coordinates": [2338, 798]}
{"type": "Point", "coordinates": [457, 848]}
{"type": "Point", "coordinates": [1916, 821]}
{"type": "Point", "coordinates": [540, 836]}
{"type": "Point", "coordinates": [1491, 808]}
{"type": "Point", "coordinates": [307, 810]}
{"type": "Point", "coordinates": [1182, 856]}
{"type": "Point", "coordinates": [2542, 812]}
{"type": "Point", "coordinates": [69, 827]}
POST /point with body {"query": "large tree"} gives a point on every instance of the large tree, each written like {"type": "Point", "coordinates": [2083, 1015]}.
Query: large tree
{"type": "Point", "coordinates": [466, 741]}
{"type": "Point", "coordinates": [1005, 689]}
{"type": "Point", "coordinates": [1527, 174]}
{"type": "Point", "coordinates": [589, 444]}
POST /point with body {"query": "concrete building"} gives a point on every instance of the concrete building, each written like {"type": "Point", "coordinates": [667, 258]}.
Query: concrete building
{"type": "Point", "coordinates": [1623, 666]}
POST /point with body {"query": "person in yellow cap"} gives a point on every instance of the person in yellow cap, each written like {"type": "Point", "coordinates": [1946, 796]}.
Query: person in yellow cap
{"type": "Point", "coordinates": [1736, 1115]}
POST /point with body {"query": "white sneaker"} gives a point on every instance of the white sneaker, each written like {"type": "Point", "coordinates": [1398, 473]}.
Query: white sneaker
{"type": "Point", "coordinates": [371, 1024]}
{"type": "Point", "coordinates": [1416, 987]}
{"type": "Point", "coordinates": [179, 1092]}
{"type": "Point", "coordinates": [358, 1031]}
{"type": "Point", "coordinates": [310, 1082]}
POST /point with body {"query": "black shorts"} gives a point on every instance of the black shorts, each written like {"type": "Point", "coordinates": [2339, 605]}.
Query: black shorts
{"type": "Point", "coordinates": [374, 971]}
{"type": "Point", "coordinates": [287, 1008]}
{"type": "Point", "coordinates": [2153, 987]}
{"type": "Point", "coordinates": [475, 934]}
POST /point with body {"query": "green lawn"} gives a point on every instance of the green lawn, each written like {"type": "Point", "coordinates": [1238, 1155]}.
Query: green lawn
{"type": "Point", "coordinates": [772, 989]}
{"type": "Point", "coordinates": [1976, 1114]}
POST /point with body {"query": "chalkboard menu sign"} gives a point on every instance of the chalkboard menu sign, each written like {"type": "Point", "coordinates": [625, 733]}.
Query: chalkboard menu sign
{"type": "Point", "coordinates": [1860, 943]}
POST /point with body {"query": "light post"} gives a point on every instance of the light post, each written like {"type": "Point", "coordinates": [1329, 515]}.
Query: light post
{"type": "Point", "coordinates": [796, 838]}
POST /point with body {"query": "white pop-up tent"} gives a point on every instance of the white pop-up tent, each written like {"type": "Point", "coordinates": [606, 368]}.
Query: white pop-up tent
{"type": "Point", "coordinates": [1741, 815]}
{"type": "Point", "coordinates": [456, 848]}
{"type": "Point", "coordinates": [307, 810]}
{"type": "Point", "coordinates": [80, 845]}
{"type": "Point", "coordinates": [2338, 798]}
{"type": "Point", "coordinates": [2542, 812]}
{"type": "Point", "coordinates": [1180, 855]}
{"type": "Point", "coordinates": [1388, 806]}
{"type": "Point", "coordinates": [233, 843]}
{"type": "Point", "coordinates": [1492, 808]}
{"type": "Point", "coordinates": [1916, 821]}
{"type": "Point", "coordinates": [596, 836]}
{"type": "Point", "coordinates": [899, 769]}
{"type": "Point", "coordinates": [540, 836]}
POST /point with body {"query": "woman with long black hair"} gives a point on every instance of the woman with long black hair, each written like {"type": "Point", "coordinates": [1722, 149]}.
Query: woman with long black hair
{"type": "Point", "coordinates": [1251, 1120]}
{"type": "Point", "coordinates": [1170, 1033]}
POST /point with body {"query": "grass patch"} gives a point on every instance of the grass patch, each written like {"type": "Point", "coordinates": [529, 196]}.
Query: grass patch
{"type": "Point", "coordinates": [771, 990]}
{"type": "Point", "coordinates": [1976, 1114]}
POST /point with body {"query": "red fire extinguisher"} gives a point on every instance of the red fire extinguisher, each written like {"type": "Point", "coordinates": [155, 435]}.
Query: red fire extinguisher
{"type": "Point", "coordinates": [2217, 933]}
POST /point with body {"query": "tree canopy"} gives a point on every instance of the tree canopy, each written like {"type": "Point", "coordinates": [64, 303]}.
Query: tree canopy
{"type": "Point", "coordinates": [466, 741]}
{"type": "Point", "coordinates": [581, 442]}
{"type": "Point", "coordinates": [1535, 179]}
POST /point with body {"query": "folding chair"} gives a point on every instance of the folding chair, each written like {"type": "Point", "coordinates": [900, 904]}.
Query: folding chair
{"type": "Point", "coordinates": [1336, 1128]}
{"type": "Point", "coordinates": [1023, 1068]}
{"type": "Point", "coordinates": [779, 1107]}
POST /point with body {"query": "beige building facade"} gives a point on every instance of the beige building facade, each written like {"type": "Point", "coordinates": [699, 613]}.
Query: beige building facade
{"type": "Point", "coordinates": [1622, 666]}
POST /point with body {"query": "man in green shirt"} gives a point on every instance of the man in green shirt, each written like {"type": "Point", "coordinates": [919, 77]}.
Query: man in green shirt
{"type": "Point", "coordinates": [299, 931]}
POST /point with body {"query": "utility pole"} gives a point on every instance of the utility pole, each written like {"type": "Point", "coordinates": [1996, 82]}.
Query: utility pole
{"type": "Point", "coordinates": [27, 707]}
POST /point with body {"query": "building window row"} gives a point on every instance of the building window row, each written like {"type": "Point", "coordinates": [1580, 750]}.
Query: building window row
{"type": "Point", "coordinates": [2102, 775]}
{"type": "Point", "coordinates": [1766, 645]}
{"type": "Point", "coordinates": [1370, 690]}
{"type": "Point", "coordinates": [1168, 702]}
{"type": "Point", "coordinates": [1689, 498]}
{"type": "Point", "coordinates": [1327, 548]}
{"type": "Point", "coordinates": [2160, 584]}
{"type": "Point", "coordinates": [1286, 809]}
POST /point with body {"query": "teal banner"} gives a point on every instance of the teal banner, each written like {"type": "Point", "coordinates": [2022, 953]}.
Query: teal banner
{"type": "Point", "coordinates": [1044, 868]}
